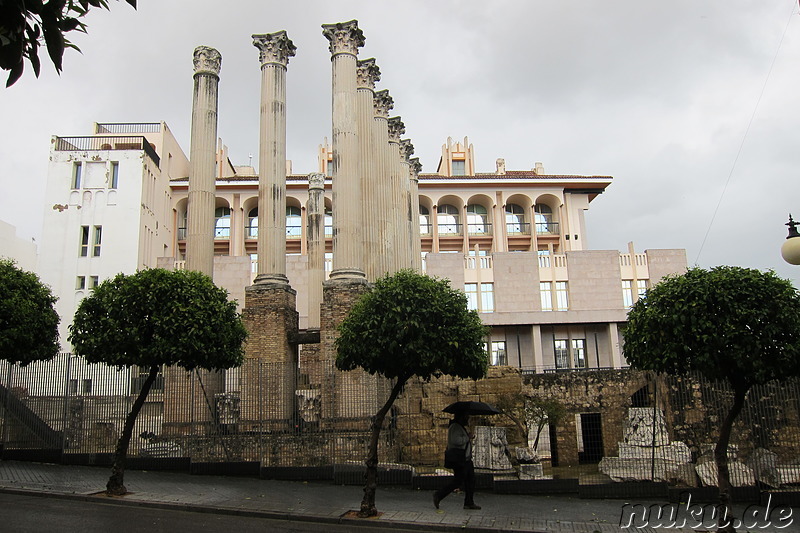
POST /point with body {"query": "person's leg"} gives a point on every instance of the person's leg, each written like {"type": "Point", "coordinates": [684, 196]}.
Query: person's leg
{"type": "Point", "coordinates": [469, 486]}
{"type": "Point", "coordinates": [453, 484]}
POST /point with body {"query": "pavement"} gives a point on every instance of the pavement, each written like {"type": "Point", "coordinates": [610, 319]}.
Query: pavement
{"type": "Point", "coordinates": [325, 502]}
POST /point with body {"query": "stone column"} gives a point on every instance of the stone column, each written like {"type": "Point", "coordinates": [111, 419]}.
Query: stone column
{"type": "Point", "coordinates": [396, 129]}
{"type": "Point", "coordinates": [316, 246]}
{"type": "Point", "coordinates": [416, 237]}
{"type": "Point", "coordinates": [367, 73]}
{"type": "Point", "coordinates": [202, 161]}
{"type": "Point", "coordinates": [345, 39]}
{"type": "Point", "coordinates": [275, 49]}
{"type": "Point", "coordinates": [406, 244]}
{"type": "Point", "coordinates": [269, 374]}
{"type": "Point", "coordinates": [382, 104]}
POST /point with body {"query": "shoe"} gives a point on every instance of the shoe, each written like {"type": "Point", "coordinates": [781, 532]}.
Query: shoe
{"type": "Point", "coordinates": [436, 500]}
{"type": "Point", "coordinates": [471, 506]}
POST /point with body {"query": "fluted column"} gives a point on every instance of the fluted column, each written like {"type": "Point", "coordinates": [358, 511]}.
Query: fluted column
{"type": "Point", "coordinates": [345, 39]}
{"type": "Point", "coordinates": [367, 73]}
{"type": "Point", "coordinates": [382, 104]}
{"type": "Point", "coordinates": [406, 244]}
{"type": "Point", "coordinates": [202, 161]}
{"type": "Point", "coordinates": [275, 49]}
{"type": "Point", "coordinates": [416, 237]}
{"type": "Point", "coordinates": [316, 246]}
{"type": "Point", "coordinates": [396, 129]}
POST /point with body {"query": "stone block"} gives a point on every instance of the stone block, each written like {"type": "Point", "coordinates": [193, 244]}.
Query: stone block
{"type": "Point", "coordinates": [676, 451]}
{"type": "Point", "coordinates": [741, 475]}
{"type": "Point", "coordinates": [642, 422]}
{"type": "Point", "coordinates": [531, 471]}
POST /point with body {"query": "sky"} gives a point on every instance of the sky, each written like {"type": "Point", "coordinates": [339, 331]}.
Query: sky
{"type": "Point", "coordinates": [692, 106]}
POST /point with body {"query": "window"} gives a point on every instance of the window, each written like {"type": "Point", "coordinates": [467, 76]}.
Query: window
{"type": "Point", "coordinates": [471, 289]}
{"type": "Point", "coordinates": [579, 353]}
{"type": "Point", "coordinates": [424, 220]}
{"type": "Point", "coordinates": [114, 174]}
{"type": "Point", "coordinates": [477, 220]}
{"type": "Point", "coordinates": [252, 223]}
{"type": "Point", "coordinates": [83, 249]}
{"type": "Point", "coordinates": [515, 220]}
{"type": "Point", "coordinates": [94, 281]}
{"type": "Point", "coordinates": [497, 355]}
{"type": "Point", "coordinates": [480, 297]}
{"type": "Point", "coordinates": [184, 219]}
{"type": "Point", "coordinates": [554, 293]}
{"type": "Point", "coordinates": [138, 377]}
{"type": "Point", "coordinates": [328, 223]}
{"type": "Point", "coordinates": [86, 386]}
{"type": "Point", "coordinates": [561, 347]}
{"type": "Point", "coordinates": [641, 287]}
{"type": "Point", "coordinates": [222, 223]}
{"type": "Point", "coordinates": [294, 222]}
{"type": "Point", "coordinates": [627, 291]}
{"type": "Point", "coordinates": [80, 283]}
{"type": "Point", "coordinates": [459, 167]}
{"type": "Point", "coordinates": [98, 238]}
{"type": "Point", "coordinates": [447, 219]}
{"type": "Point", "coordinates": [544, 219]}
{"type": "Point", "coordinates": [73, 386]}
{"type": "Point", "coordinates": [254, 263]}
{"type": "Point", "coordinates": [76, 175]}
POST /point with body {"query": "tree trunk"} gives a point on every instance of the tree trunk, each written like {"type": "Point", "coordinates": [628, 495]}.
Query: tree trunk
{"type": "Point", "coordinates": [115, 485]}
{"type": "Point", "coordinates": [721, 460]}
{"type": "Point", "coordinates": [371, 476]}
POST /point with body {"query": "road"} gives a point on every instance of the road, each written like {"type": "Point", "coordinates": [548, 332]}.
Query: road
{"type": "Point", "coordinates": [23, 514]}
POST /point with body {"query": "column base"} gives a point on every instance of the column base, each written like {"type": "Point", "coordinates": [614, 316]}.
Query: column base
{"type": "Point", "coordinates": [347, 276]}
{"type": "Point", "coordinates": [271, 279]}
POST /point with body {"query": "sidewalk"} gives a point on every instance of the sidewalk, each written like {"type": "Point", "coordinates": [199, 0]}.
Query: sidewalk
{"type": "Point", "coordinates": [322, 501]}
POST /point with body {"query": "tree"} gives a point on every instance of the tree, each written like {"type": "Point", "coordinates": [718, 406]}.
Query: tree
{"type": "Point", "coordinates": [24, 24]}
{"type": "Point", "coordinates": [409, 324]}
{"type": "Point", "coordinates": [152, 318]}
{"type": "Point", "coordinates": [28, 319]}
{"type": "Point", "coordinates": [734, 324]}
{"type": "Point", "coordinates": [527, 412]}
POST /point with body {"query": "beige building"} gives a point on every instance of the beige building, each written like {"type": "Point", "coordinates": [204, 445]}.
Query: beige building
{"type": "Point", "coordinates": [515, 241]}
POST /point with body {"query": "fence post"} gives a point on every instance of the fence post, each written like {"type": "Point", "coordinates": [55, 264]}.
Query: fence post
{"type": "Point", "coordinates": [64, 420]}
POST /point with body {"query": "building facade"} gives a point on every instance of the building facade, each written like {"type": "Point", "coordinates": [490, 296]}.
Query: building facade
{"type": "Point", "coordinates": [514, 241]}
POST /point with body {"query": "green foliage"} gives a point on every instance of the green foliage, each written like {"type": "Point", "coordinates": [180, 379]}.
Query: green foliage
{"type": "Point", "coordinates": [530, 412]}
{"type": "Point", "coordinates": [159, 317]}
{"type": "Point", "coordinates": [737, 324]}
{"type": "Point", "coordinates": [410, 324]}
{"type": "Point", "coordinates": [28, 319]}
{"type": "Point", "coordinates": [24, 24]}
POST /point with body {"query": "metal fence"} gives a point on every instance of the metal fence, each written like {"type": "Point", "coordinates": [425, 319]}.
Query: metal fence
{"type": "Point", "coordinates": [270, 417]}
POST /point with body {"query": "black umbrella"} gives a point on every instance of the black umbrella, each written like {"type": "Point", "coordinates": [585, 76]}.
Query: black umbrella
{"type": "Point", "coordinates": [471, 408]}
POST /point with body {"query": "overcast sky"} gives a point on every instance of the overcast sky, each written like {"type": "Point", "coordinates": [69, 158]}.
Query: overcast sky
{"type": "Point", "coordinates": [659, 95]}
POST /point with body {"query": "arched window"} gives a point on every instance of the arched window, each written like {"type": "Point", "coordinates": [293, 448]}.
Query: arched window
{"type": "Point", "coordinates": [184, 223]}
{"type": "Point", "coordinates": [222, 223]}
{"type": "Point", "coordinates": [477, 220]}
{"type": "Point", "coordinates": [544, 219]}
{"type": "Point", "coordinates": [294, 223]}
{"type": "Point", "coordinates": [424, 221]}
{"type": "Point", "coordinates": [515, 220]}
{"type": "Point", "coordinates": [447, 219]}
{"type": "Point", "coordinates": [252, 223]}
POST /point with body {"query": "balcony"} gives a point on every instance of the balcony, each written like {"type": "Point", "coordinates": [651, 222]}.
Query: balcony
{"type": "Point", "coordinates": [129, 127]}
{"type": "Point", "coordinates": [90, 144]}
{"type": "Point", "coordinates": [518, 228]}
{"type": "Point", "coordinates": [547, 228]}
{"type": "Point", "coordinates": [450, 230]}
{"type": "Point", "coordinates": [481, 228]}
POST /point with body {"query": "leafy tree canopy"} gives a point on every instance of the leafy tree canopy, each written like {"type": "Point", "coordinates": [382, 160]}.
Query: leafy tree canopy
{"type": "Point", "coordinates": [411, 324]}
{"type": "Point", "coordinates": [737, 324]}
{"type": "Point", "coordinates": [28, 319]}
{"type": "Point", "coordinates": [24, 24]}
{"type": "Point", "coordinates": [159, 317]}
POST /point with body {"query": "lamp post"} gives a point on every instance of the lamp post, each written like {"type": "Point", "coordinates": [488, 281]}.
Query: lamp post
{"type": "Point", "coordinates": [790, 250]}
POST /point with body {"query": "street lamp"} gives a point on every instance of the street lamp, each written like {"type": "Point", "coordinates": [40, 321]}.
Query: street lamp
{"type": "Point", "coordinates": [790, 250]}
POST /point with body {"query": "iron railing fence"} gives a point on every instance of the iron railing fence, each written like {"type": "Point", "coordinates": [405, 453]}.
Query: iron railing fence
{"type": "Point", "coordinates": [317, 421]}
{"type": "Point", "coordinates": [96, 143]}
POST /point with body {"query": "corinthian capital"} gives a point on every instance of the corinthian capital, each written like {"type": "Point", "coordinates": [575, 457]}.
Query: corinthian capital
{"type": "Point", "coordinates": [396, 129]}
{"type": "Point", "coordinates": [274, 48]}
{"type": "Point", "coordinates": [382, 103]}
{"type": "Point", "coordinates": [207, 60]}
{"type": "Point", "coordinates": [406, 150]}
{"type": "Point", "coordinates": [416, 168]}
{"type": "Point", "coordinates": [344, 37]}
{"type": "Point", "coordinates": [316, 181]}
{"type": "Point", "coordinates": [367, 73]}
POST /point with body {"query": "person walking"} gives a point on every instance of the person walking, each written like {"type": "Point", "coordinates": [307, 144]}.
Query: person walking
{"type": "Point", "coordinates": [458, 456]}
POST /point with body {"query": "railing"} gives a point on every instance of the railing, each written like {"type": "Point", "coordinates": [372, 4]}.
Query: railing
{"type": "Point", "coordinates": [73, 144]}
{"type": "Point", "coordinates": [251, 232]}
{"type": "Point", "coordinates": [472, 262]}
{"type": "Point", "coordinates": [625, 260]}
{"type": "Point", "coordinates": [518, 228]}
{"type": "Point", "coordinates": [553, 261]}
{"type": "Point", "coordinates": [181, 234]}
{"type": "Point", "coordinates": [128, 127]}
{"type": "Point", "coordinates": [425, 229]}
{"type": "Point", "coordinates": [222, 233]}
{"type": "Point", "coordinates": [450, 229]}
{"type": "Point", "coordinates": [547, 228]}
{"type": "Point", "coordinates": [479, 229]}
{"type": "Point", "coordinates": [294, 232]}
